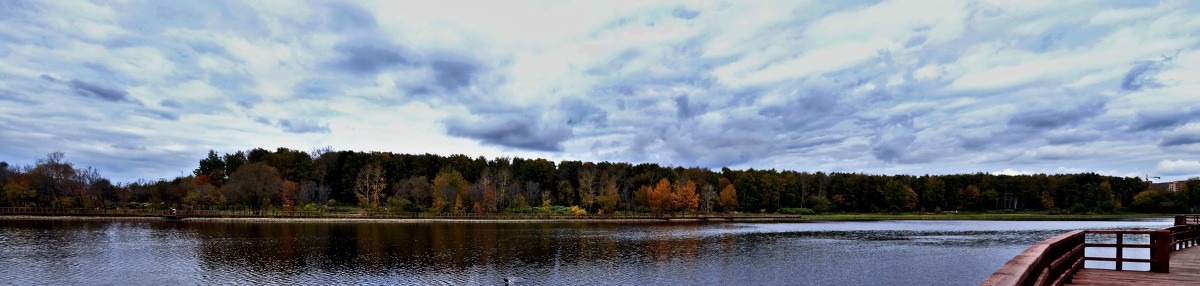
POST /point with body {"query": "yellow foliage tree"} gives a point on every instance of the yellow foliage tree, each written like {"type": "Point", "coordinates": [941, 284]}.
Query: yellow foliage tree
{"type": "Point", "coordinates": [728, 197]}
{"type": "Point", "coordinates": [448, 184]}
{"type": "Point", "coordinates": [609, 197]}
{"type": "Point", "coordinates": [18, 192]}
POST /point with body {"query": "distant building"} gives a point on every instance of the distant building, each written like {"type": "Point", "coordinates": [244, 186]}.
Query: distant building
{"type": "Point", "coordinates": [1169, 186]}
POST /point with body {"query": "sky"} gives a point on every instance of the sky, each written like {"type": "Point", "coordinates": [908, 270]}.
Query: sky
{"type": "Point", "coordinates": [143, 89]}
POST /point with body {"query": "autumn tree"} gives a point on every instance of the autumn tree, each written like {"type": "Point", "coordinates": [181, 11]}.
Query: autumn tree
{"type": "Point", "coordinates": [566, 193]}
{"type": "Point", "coordinates": [255, 186]}
{"type": "Point", "coordinates": [18, 191]}
{"type": "Point", "coordinates": [609, 196]}
{"type": "Point", "coordinates": [662, 198]}
{"type": "Point", "coordinates": [968, 197]}
{"type": "Point", "coordinates": [641, 197]}
{"type": "Point", "coordinates": [899, 197]}
{"type": "Point", "coordinates": [416, 189]}
{"type": "Point", "coordinates": [686, 198]}
{"type": "Point", "coordinates": [213, 167]}
{"type": "Point", "coordinates": [728, 197]}
{"type": "Point", "coordinates": [369, 186]}
{"type": "Point", "coordinates": [486, 193]}
{"type": "Point", "coordinates": [588, 185]}
{"type": "Point", "coordinates": [289, 194]}
{"type": "Point", "coordinates": [200, 193]}
{"type": "Point", "coordinates": [448, 187]}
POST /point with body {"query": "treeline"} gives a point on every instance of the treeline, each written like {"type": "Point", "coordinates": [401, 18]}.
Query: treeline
{"type": "Point", "coordinates": [323, 178]}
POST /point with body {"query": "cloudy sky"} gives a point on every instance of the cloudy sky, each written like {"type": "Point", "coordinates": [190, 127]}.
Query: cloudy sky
{"type": "Point", "coordinates": [143, 89]}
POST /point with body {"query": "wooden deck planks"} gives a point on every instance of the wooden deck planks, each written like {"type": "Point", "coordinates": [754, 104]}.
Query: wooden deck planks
{"type": "Point", "coordinates": [1185, 270]}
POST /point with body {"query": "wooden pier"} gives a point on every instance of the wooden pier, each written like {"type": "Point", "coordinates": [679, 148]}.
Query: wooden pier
{"type": "Point", "coordinates": [1060, 260]}
{"type": "Point", "coordinates": [181, 214]}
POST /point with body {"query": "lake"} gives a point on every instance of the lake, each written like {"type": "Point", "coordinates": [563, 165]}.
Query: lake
{"type": "Point", "coordinates": [896, 252]}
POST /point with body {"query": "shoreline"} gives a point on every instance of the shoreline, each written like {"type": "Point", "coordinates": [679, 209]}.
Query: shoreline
{"type": "Point", "coordinates": [814, 218]}
{"type": "Point", "coordinates": [350, 220]}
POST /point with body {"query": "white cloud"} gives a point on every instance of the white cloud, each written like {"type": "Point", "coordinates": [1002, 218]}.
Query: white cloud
{"type": "Point", "coordinates": [1011, 172]}
{"type": "Point", "coordinates": [1179, 167]}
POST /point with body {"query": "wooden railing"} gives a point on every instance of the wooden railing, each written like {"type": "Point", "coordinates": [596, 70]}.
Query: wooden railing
{"type": "Point", "coordinates": [1053, 261]}
{"type": "Point", "coordinates": [1187, 219]}
{"type": "Point", "coordinates": [326, 214]}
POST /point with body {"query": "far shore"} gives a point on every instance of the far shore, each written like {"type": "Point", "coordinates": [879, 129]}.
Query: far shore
{"type": "Point", "coordinates": [811, 218]}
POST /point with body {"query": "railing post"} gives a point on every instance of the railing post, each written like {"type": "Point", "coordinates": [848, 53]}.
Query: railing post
{"type": "Point", "coordinates": [1161, 253]}
{"type": "Point", "coordinates": [1120, 252]}
{"type": "Point", "coordinates": [1181, 220]}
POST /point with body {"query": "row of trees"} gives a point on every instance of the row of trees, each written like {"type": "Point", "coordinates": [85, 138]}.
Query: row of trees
{"type": "Point", "coordinates": [293, 179]}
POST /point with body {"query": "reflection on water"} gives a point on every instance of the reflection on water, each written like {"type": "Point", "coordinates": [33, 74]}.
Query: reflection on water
{"type": "Point", "coordinates": [817, 253]}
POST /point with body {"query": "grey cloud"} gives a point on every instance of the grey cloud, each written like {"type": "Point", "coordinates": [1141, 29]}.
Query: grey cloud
{"type": "Point", "coordinates": [315, 88]}
{"type": "Point", "coordinates": [684, 13]}
{"type": "Point", "coordinates": [815, 110]}
{"type": "Point", "coordinates": [262, 120]}
{"type": "Point", "coordinates": [301, 126]}
{"type": "Point", "coordinates": [171, 103]}
{"type": "Point", "coordinates": [453, 75]}
{"type": "Point", "coordinates": [129, 147]}
{"type": "Point", "coordinates": [1156, 120]}
{"type": "Point", "coordinates": [916, 40]}
{"type": "Point", "coordinates": [1052, 118]}
{"type": "Point", "coordinates": [517, 131]}
{"type": "Point", "coordinates": [346, 16]}
{"type": "Point", "coordinates": [88, 89]}
{"type": "Point", "coordinates": [580, 112]}
{"type": "Point", "coordinates": [1142, 73]}
{"type": "Point", "coordinates": [368, 56]}
{"type": "Point", "coordinates": [893, 140]}
{"type": "Point", "coordinates": [160, 114]}
{"type": "Point", "coordinates": [1073, 137]}
{"type": "Point", "coordinates": [48, 78]}
{"type": "Point", "coordinates": [1179, 138]}
{"type": "Point", "coordinates": [8, 95]}
{"type": "Point", "coordinates": [207, 47]}
{"type": "Point", "coordinates": [686, 109]}
{"type": "Point", "coordinates": [249, 103]}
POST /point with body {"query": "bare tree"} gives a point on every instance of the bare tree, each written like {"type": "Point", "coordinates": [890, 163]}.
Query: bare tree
{"type": "Point", "coordinates": [368, 188]}
{"type": "Point", "coordinates": [588, 185]}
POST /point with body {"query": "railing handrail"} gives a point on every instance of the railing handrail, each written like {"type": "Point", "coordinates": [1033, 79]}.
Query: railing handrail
{"type": "Point", "coordinates": [1031, 268]}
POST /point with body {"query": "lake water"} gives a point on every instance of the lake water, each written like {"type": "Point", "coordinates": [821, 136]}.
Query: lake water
{"type": "Point", "coordinates": [650, 253]}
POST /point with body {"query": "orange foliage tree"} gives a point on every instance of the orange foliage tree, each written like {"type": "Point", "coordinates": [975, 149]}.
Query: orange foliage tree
{"type": "Point", "coordinates": [289, 193]}
{"type": "Point", "coordinates": [662, 197]}
{"type": "Point", "coordinates": [686, 197]}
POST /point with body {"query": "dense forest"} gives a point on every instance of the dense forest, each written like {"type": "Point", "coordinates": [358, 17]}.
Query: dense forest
{"type": "Point", "coordinates": [322, 179]}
